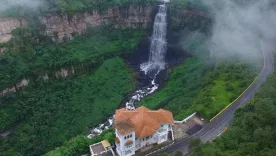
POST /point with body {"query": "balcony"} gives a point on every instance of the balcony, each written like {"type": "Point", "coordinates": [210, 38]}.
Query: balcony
{"type": "Point", "coordinates": [162, 131]}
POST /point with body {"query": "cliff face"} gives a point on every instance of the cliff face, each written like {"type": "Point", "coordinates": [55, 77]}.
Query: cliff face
{"type": "Point", "coordinates": [130, 17]}
{"type": "Point", "coordinates": [6, 27]}
{"type": "Point", "coordinates": [60, 26]}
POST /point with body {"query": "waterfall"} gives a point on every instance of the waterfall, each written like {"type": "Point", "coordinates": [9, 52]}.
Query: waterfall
{"type": "Point", "coordinates": [158, 47]}
{"type": "Point", "coordinates": [155, 64]}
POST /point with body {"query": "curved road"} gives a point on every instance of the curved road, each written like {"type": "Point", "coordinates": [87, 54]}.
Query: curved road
{"type": "Point", "coordinates": [216, 126]}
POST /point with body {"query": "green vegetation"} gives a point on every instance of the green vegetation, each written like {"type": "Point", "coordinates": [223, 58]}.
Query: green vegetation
{"type": "Point", "coordinates": [163, 154]}
{"type": "Point", "coordinates": [80, 144]}
{"type": "Point", "coordinates": [178, 153]}
{"type": "Point", "coordinates": [45, 115]}
{"type": "Point", "coordinates": [180, 90]}
{"type": "Point", "coordinates": [253, 129]}
{"type": "Point", "coordinates": [194, 143]}
{"type": "Point", "coordinates": [26, 57]}
{"type": "Point", "coordinates": [202, 84]}
{"type": "Point", "coordinates": [222, 85]}
{"type": "Point", "coordinates": [71, 6]}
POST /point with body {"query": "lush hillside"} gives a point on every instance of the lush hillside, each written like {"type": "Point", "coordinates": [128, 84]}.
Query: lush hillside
{"type": "Point", "coordinates": [44, 116]}
{"type": "Point", "coordinates": [26, 57]}
{"type": "Point", "coordinates": [202, 83]}
{"type": "Point", "coordinates": [80, 144]}
{"type": "Point", "coordinates": [253, 130]}
{"type": "Point", "coordinates": [69, 6]}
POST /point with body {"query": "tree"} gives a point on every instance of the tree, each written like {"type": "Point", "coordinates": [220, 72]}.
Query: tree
{"type": "Point", "coordinates": [194, 143]}
{"type": "Point", "coordinates": [178, 153]}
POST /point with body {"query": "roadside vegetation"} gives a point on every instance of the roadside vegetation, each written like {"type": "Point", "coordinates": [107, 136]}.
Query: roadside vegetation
{"type": "Point", "coordinates": [253, 129]}
{"type": "Point", "coordinates": [43, 116]}
{"type": "Point", "coordinates": [203, 84]}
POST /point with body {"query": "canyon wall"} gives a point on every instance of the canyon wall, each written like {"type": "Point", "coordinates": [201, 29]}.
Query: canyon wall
{"type": "Point", "coordinates": [6, 27]}
{"type": "Point", "coordinates": [129, 17]}
{"type": "Point", "coordinates": [60, 26]}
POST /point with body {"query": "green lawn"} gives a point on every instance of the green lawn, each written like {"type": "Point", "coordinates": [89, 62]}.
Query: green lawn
{"type": "Point", "coordinates": [51, 113]}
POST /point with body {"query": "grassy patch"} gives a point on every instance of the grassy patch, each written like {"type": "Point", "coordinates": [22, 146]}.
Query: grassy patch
{"type": "Point", "coordinates": [222, 86]}
{"type": "Point", "coordinates": [178, 93]}
{"type": "Point", "coordinates": [193, 88]}
{"type": "Point", "coordinates": [54, 112]}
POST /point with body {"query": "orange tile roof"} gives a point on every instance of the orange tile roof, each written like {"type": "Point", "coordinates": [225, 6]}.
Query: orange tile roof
{"type": "Point", "coordinates": [144, 121]}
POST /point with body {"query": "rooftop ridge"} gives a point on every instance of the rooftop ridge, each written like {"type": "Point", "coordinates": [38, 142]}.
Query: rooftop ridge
{"type": "Point", "coordinates": [143, 120]}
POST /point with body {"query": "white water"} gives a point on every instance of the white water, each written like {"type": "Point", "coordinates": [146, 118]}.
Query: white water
{"type": "Point", "coordinates": [158, 47]}
{"type": "Point", "coordinates": [156, 63]}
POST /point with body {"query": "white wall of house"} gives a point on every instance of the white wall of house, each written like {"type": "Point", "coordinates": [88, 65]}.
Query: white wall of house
{"type": "Point", "coordinates": [159, 137]}
{"type": "Point", "coordinates": [121, 148]}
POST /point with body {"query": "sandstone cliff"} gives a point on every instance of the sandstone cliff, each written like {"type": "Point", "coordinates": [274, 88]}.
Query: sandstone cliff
{"type": "Point", "coordinates": [130, 17]}
{"type": "Point", "coordinates": [6, 27]}
{"type": "Point", "coordinates": [59, 26]}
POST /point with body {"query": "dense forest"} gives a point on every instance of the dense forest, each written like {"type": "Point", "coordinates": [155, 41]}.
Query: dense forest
{"type": "Point", "coordinates": [46, 115]}
{"type": "Point", "coordinates": [70, 6]}
{"type": "Point", "coordinates": [59, 112]}
{"type": "Point", "coordinates": [25, 57]}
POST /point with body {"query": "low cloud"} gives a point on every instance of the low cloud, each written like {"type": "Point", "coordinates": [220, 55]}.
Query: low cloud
{"type": "Point", "coordinates": [238, 27]}
{"type": "Point", "coordinates": [32, 4]}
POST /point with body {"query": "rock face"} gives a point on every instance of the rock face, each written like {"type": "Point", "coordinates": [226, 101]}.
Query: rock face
{"type": "Point", "coordinates": [6, 27]}
{"type": "Point", "coordinates": [60, 26]}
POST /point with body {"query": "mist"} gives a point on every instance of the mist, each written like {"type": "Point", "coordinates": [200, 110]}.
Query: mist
{"type": "Point", "coordinates": [239, 26]}
{"type": "Point", "coordinates": [7, 4]}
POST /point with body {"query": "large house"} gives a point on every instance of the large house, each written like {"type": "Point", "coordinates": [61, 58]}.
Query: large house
{"type": "Point", "coordinates": [141, 127]}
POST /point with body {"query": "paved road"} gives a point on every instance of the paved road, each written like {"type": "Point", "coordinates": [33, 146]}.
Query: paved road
{"type": "Point", "coordinates": [216, 126]}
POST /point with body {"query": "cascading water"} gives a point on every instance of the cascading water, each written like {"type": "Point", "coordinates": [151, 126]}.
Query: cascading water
{"type": "Point", "coordinates": [158, 47]}
{"type": "Point", "coordinates": [155, 64]}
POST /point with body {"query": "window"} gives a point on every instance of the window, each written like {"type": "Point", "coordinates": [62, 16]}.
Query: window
{"type": "Point", "coordinates": [128, 136]}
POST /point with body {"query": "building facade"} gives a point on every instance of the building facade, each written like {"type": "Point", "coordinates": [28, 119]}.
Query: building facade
{"type": "Point", "coordinates": [141, 127]}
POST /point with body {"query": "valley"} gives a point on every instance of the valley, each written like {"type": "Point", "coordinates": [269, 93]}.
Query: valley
{"type": "Point", "coordinates": [64, 70]}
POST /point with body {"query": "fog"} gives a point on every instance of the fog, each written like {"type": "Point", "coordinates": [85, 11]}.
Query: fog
{"type": "Point", "coordinates": [239, 26]}
{"type": "Point", "coordinates": [6, 4]}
